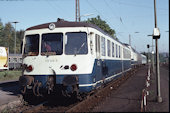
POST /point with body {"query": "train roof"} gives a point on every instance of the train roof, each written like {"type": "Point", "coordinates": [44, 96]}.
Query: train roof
{"type": "Point", "coordinates": [143, 55]}
{"type": "Point", "coordinates": [128, 46]}
{"type": "Point", "coordinates": [62, 23]}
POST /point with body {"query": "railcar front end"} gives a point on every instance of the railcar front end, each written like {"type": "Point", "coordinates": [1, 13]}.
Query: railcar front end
{"type": "Point", "coordinates": [57, 59]}
{"type": "Point", "coordinates": [71, 58]}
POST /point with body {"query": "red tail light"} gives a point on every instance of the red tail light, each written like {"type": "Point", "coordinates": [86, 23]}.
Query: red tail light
{"type": "Point", "coordinates": [29, 68]}
{"type": "Point", "coordinates": [5, 65]}
{"type": "Point", "coordinates": [73, 67]}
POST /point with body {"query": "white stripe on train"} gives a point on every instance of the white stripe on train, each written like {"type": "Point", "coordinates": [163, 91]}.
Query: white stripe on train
{"type": "Point", "coordinates": [100, 81]}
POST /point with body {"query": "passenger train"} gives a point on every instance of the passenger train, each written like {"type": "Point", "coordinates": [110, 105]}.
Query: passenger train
{"type": "Point", "coordinates": [4, 58]}
{"type": "Point", "coordinates": [15, 61]}
{"type": "Point", "coordinates": [72, 58]}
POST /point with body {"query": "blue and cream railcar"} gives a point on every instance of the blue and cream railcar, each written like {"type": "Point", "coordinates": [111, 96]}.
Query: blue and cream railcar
{"type": "Point", "coordinates": [144, 59]}
{"type": "Point", "coordinates": [134, 56]}
{"type": "Point", "coordinates": [139, 59]}
{"type": "Point", "coordinates": [75, 56]}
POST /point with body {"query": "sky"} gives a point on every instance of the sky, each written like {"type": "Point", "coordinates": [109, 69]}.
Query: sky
{"type": "Point", "coordinates": [134, 18]}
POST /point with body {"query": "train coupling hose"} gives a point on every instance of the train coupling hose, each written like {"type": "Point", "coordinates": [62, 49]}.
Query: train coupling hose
{"type": "Point", "coordinates": [24, 81]}
{"type": "Point", "coordinates": [36, 88]}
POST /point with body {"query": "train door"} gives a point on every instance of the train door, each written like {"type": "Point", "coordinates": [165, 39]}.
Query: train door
{"type": "Point", "coordinates": [104, 67]}
{"type": "Point", "coordinates": [98, 72]}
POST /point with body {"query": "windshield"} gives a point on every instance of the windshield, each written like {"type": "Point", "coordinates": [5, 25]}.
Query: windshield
{"type": "Point", "coordinates": [32, 45]}
{"type": "Point", "coordinates": [52, 44]}
{"type": "Point", "coordinates": [76, 43]}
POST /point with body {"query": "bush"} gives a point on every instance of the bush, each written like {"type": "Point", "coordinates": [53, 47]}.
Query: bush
{"type": "Point", "coordinates": [9, 75]}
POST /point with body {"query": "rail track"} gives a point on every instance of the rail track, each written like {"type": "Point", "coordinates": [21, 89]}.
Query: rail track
{"type": "Point", "coordinates": [55, 105]}
{"type": "Point", "coordinates": [60, 104]}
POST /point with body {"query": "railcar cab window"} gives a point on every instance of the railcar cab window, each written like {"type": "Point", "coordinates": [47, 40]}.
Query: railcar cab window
{"type": "Point", "coordinates": [31, 45]}
{"type": "Point", "coordinates": [76, 43]}
{"type": "Point", "coordinates": [52, 44]}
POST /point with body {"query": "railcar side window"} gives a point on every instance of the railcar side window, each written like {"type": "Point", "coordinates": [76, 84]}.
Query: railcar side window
{"type": "Point", "coordinates": [127, 54]}
{"type": "Point", "coordinates": [76, 43]}
{"type": "Point", "coordinates": [97, 38]}
{"type": "Point", "coordinates": [52, 44]}
{"type": "Point", "coordinates": [32, 45]}
{"type": "Point", "coordinates": [119, 51]}
{"type": "Point", "coordinates": [103, 46]}
{"type": "Point", "coordinates": [116, 51]}
{"type": "Point", "coordinates": [112, 49]}
{"type": "Point", "coordinates": [97, 42]}
{"type": "Point", "coordinates": [108, 48]}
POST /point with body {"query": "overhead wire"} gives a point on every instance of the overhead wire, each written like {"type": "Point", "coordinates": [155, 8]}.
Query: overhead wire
{"type": "Point", "coordinates": [51, 5]}
{"type": "Point", "coordinates": [121, 20]}
{"type": "Point", "coordinates": [136, 5]}
{"type": "Point", "coordinates": [99, 13]}
{"type": "Point", "coordinates": [119, 17]}
{"type": "Point", "coordinates": [61, 8]}
{"type": "Point", "coordinates": [111, 8]}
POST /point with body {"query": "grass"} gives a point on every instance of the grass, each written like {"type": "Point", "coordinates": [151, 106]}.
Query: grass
{"type": "Point", "coordinates": [10, 75]}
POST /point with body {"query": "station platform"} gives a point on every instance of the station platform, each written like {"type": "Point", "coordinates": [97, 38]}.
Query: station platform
{"type": "Point", "coordinates": [9, 93]}
{"type": "Point", "coordinates": [152, 104]}
{"type": "Point", "coordinates": [127, 98]}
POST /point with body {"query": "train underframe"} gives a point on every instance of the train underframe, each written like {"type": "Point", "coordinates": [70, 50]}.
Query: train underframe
{"type": "Point", "coordinates": [46, 85]}
{"type": "Point", "coordinates": [69, 85]}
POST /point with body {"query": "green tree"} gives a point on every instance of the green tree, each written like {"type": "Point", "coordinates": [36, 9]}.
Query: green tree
{"type": "Point", "coordinates": [103, 25]}
{"type": "Point", "coordinates": [19, 36]}
{"type": "Point", "coordinates": [7, 37]}
{"type": "Point", "coordinates": [1, 32]}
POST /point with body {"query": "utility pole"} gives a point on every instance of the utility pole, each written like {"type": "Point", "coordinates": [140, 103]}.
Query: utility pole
{"type": "Point", "coordinates": [77, 10]}
{"type": "Point", "coordinates": [153, 64]}
{"type": "Point", "coordinates": [156, 36]}
{"type": "Point", "coordinates": [15, 42]}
